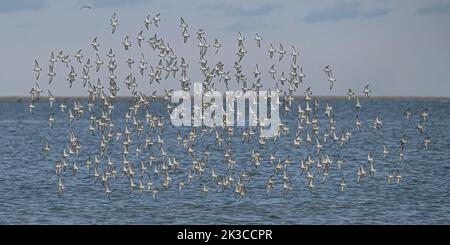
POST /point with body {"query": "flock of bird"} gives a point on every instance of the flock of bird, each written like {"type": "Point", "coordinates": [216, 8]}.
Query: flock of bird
{"type": "Point", "coordinates": [147, 164]}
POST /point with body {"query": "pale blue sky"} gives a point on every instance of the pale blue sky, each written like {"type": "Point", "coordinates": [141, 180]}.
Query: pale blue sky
{"type": "Point", "coordinates": [400, 47]}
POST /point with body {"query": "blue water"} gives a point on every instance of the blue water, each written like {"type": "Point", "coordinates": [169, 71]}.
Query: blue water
{"type": "Point", "coordinates": [28, 184]}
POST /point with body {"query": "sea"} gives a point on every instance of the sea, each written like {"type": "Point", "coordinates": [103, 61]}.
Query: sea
{"type": "Point", "coordinates": [29, 184]}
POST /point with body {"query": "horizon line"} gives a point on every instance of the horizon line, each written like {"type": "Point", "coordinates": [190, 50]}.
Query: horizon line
{"type": "Point", "coordinates": [337, 97]}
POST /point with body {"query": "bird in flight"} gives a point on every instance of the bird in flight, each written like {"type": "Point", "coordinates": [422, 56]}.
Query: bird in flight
{"type": "Point", "coordinates": [85, 7]}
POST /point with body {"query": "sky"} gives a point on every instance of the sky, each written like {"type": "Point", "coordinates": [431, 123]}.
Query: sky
{"type": "Point", "coordinates": [400, 48]}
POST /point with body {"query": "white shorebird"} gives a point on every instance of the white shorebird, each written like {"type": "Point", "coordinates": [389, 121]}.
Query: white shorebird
{"type": "Point", "coordinates": [36, 69]}
{"type": "Point", "coordinates": [358, 104]}
{"type": "Point", "coordinates": [426, 142]}
{"type": "Point", "coordinates": [377, 123]}
{"type": "Point", "coordinates": [78, 56]}
{"type": "Point", "coordinates": [390, 177]}
{"type": "Point", "coordinates": [60, 187]}
{"type": "Point", "coordinates": [205, 189]}
{"type": "Point", "coordinates": [52, 59]}
{"type": "Point", "coordinates": [95, 44]}
{"type": "Point", "coordinates": [358, 123]}
{"type": "Point", "coordinates": [398, 177]}
{"type": "Point", "coordinates": [140, 38]}
{"type": "Point", "coordinates": [271, 51]}
{"type": "Point", "coordinates": [408, 114]}
{"type": "Point", "coordinates": [130, 62]}
{"type": "Point", "coordinates": [156, 19]}
{"type": "Point", "coordinates": [185, 35]}
{"type": "Point", "coordinates": [294, 54]}
{"type": "Point", "coordinates": [114, 23]}
{"type": "Point", "coordinates": [51, 73]}
{"type": "Point", "coordinates": [148, 22]}
{"type": "Point", "coordinates": [281, 52]}
{"type": "Point", "coordinates": [332, 80]}
{"type": "Point", "coordinates": [385, 151]}
{"type": "Point", "coordinates": [350, 93]}
{"type": "Point", "coordinates": [342, 184]}
{"type": "Point", "coordinates": [183, 24]}
{"type": "Point", "coordinates": [126, 43]}
{"type": "Point", "coordinates": [216, 45]}
{"type": "Point", "coordinates": [258, 40]}
{"type": "Point", "coordinates": [46, 148]}
{"type": "Point", "coordinates": [366, 91]}
{"type": "Point", "coordinates": [424, 115]}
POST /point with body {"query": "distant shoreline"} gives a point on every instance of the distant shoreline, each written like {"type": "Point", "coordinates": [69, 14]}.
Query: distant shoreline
{"type": "Point", "coordinates": [322, 97]}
